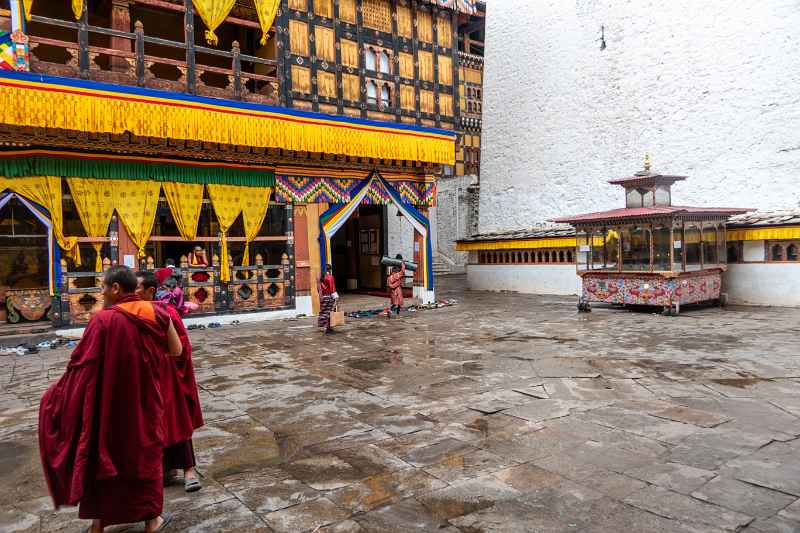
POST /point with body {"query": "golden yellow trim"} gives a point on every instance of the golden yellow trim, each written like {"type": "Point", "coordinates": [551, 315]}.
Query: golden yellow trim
{"type": "Point", "coordinates": [764, 234]}
{"type": "Point", "coordinates": [517, 244]}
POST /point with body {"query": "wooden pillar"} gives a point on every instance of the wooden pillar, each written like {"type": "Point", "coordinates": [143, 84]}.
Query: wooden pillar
{"type": "Point", "coordinates": [312, 224]}
{"type": "Point", "coordinates": [121, 21]}
{"type": "Point", "coordinates": [126, 246]}
{"type": "Point", "coordinates": [419, 254]}
{"type": "Point", "coordinates": [301, 251]}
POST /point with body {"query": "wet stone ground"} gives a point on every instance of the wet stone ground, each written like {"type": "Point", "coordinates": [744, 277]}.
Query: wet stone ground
{"type": "Point", "coordinates": [503, 413]}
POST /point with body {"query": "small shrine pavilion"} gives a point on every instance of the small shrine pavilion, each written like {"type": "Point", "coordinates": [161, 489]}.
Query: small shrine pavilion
{"type": "Point", "coordinates": [651, 252]}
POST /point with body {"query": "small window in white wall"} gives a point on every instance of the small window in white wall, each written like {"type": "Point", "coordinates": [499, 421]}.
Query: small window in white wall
{"type": "Point", "coordinates": [386, 96]}
{"type": "Point", "coordinates": [633, 198]}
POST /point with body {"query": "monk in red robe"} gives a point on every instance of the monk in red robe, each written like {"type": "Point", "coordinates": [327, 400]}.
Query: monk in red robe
{"type": "Point", "coordinates": [101, 434]}
{"type": "Point", "coordinates": [182, 414]}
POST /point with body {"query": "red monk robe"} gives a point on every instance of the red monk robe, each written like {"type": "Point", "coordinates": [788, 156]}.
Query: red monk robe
{"type": "Point", "coordinates": [101, 433]}
{"type": "Point", "coordinates": [182, 413]}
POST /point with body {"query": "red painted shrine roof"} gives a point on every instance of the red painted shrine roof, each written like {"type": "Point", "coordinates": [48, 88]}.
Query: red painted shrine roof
{"type": "Point", "coordinates": [639, 212]}
{"type": "Point", "coordinates": [646, 177]}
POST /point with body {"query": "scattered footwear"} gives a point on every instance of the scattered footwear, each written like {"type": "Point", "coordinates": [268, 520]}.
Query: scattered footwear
{"type": "Point", "coordinates": [215, 325]}
{"type": "Point", "coordinates": [192, 485]}
{"type": "Point", "coordinates": [166, 518]}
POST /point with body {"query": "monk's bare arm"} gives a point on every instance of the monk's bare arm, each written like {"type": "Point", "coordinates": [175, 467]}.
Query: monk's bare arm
{"type": "Point", "coordinates": [173, 341]}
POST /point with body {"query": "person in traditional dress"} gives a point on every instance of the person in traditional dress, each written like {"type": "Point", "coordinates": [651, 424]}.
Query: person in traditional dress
{"type": "Point", "coordinates": [182, 412]}
{"type": "Point", "coordinates": [171, 293]}
{"type": "Point", "coordinates": [326, 286]}
{"type": "Point", "coordinates": [394, 281]}
{"type": "Point", "coordinates": [198, 259]}
{"type": "Point", "coordinates": [101, 430]}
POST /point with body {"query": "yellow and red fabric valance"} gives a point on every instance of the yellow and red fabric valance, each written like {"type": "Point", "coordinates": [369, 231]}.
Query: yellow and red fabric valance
{"type": "Point", "coordinates": [33, 100]}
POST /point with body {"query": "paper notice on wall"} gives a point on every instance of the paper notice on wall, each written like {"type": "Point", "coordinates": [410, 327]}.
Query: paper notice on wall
{"type": "Point", "coordinates": [677, 245]}
{"type": "Point", "coordinates": [584, 248]}
{"type": "Point", "coordinates": [416, 246]}
{"type": "Point", "coordinates": [129, 261]}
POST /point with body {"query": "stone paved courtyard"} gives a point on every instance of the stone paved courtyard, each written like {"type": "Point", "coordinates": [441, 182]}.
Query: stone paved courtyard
{"type": "Point", "coordinates": [506, 412]}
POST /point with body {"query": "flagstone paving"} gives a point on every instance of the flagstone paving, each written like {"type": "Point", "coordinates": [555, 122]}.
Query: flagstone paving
{"type": "Point", "coordinates": [503, 413]}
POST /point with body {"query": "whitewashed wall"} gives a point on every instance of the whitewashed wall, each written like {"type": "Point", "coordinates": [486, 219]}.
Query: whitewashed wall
{"type": "Point", "coordinates": [709, 88]}
{"type": "Point", "coordinates": [531, 279]}
{"type": "Point", "coordinates": [400, 235]}
{"type": "Point", "coordinates": [763, 283]}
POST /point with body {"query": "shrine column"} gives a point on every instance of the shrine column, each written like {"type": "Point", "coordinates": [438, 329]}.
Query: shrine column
{"type": "Point", "coordinates": [121, 21]}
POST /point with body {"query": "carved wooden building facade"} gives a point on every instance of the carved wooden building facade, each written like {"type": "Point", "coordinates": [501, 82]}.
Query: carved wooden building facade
{"type": "Point", "coordinates": [268, 127]}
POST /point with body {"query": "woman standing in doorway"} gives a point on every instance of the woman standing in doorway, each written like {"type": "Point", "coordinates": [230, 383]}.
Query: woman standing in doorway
{"type": "Point", "coordinates": [327, 298]}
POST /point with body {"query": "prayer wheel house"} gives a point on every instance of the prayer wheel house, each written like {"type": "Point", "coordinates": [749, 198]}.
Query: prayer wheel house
{"type": "Point", "coordinates": [651, 253]}
{"type": "Point", "coordinates": [250, 142]}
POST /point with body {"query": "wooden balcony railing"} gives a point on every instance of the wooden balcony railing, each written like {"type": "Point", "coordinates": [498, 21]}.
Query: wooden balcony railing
{"type": "Point", "coordinates": [126, 67]}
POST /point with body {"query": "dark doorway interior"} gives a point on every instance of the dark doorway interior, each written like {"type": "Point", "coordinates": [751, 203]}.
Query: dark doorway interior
{"type": "Point", "coordinates": [357, 249]}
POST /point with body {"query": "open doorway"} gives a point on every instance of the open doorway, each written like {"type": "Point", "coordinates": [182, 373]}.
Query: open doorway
{"type": "Point", "coordinates": [24, 264]}
{"type": "Point", "coordinates": [357, 249]}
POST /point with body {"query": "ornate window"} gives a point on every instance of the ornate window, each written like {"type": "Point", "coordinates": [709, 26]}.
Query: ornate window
{"type": "Point", "coordinates": [385, 63]}
{"type": "Point", "coordinates": [377, 14]}
{"type": "Point", "coordinates": [372, 92]}
{"type": "Point", "coordinates": [776, 254]}
{"type": "Point", "coordinates": [371, 59]}
{"type": "Point", "coordinates": [791, 252]}
{"type": "Point", "coordinates": [691, 246]}
{"type": "Point", "coordinates": [386, 95]}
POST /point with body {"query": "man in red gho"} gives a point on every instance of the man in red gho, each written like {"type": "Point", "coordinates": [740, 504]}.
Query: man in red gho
{"type": "Point", "coordinates": [182, 413]}
{"type": "Point", "coordinates": [101, 429]}
{"type": "Point", "coordinates": [394, 281]}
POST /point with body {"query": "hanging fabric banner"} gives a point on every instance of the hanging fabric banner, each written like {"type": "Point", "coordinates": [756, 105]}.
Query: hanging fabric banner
{"type": "Point", "coordinates": [376, 186]}
{"type": "Point", "coordinates": [254, 209]}
{"type": "Point", "coordinates": [94, 201]}
{"type": "Point", "coordinates": [35, 100]}
{"type": "Point", "coordinates": [77, 8]}
{"type": "Point", "coordinates": [28, 5]}
{"type": "Point", "coordinates": [266, 10]}
{"type": "Point", "coordinates": [136, 203]}
{"type": "Point", "coordinates": [185, 201]}
{"type": "Point", "coordinates": [46, 191]}
{"type": "Point", "coordinates": [213, 12]}
{"type": "Point", "coordinates": [226, 200]}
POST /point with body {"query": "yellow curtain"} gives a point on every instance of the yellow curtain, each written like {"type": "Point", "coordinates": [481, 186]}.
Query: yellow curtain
{"type": "Point", "coordinates": [185, 202]}
{"type": "Point", "coordinates": [425, 66]}
{"type": "Point", "coordinates": [301, 79]}
{"type": "Point", "coordinates": [351, 87]}
{"type": "Point", "coordinates": [445, 70]}
{"type": "Point", "coordinates": [444, 32]}
{"type": "Point", "coordinates": [407, 97]}
{"type": "Point", "coordinates": [254, 208]}
{"type": "Point", "coordinates": [46, 191]}
{"type": "Point", "coordinates": [404, 24]}
{"type": "Point", "coordinates": [94, 200]}
{"type": "Point", "coordinates": [28, 5]}
{"type": "Point", "coordinates": [347, 11]}
{"type": "Point", "coordinates": [349, 53]}
{"type": "Point", "coordinates": [323, 37]}
{"type": "Point", "coordinates": [227, 203]}
{"type": "Point", "coordinates": [406, 65]}
{"type": "Point", "coordinates": [213, 12]}
{"type": "Point", "coordinates": [424, 27]}
{"type": "Point", "coordinates": [326, 84]}
{"type": "Point", "coordinates": [298, 37]}
{"type": "Point", "coordinates": [135, 202]}
{"type": "Point", "coordinates": [266, 10]}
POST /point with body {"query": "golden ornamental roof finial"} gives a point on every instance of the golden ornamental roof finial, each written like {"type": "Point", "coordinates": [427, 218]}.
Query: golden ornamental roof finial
{"type": "Point", "coordinates": [647, 162]}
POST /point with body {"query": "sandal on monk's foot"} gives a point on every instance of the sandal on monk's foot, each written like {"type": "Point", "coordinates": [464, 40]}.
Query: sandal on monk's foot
{"type": "Point", "coordinates": [192, 485]}
{"type": "Point", "coordinates": [166, 520]}
{"type": "Point", "coordinates": [171, 479]}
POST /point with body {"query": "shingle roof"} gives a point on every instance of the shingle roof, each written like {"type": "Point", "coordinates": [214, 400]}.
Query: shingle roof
{"type": "Point", "coordinates": [539, 232]}
{"type": "Point", "coordinates": [636, 212]}
{"type": "Point", "coordinates": [778, 217]}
